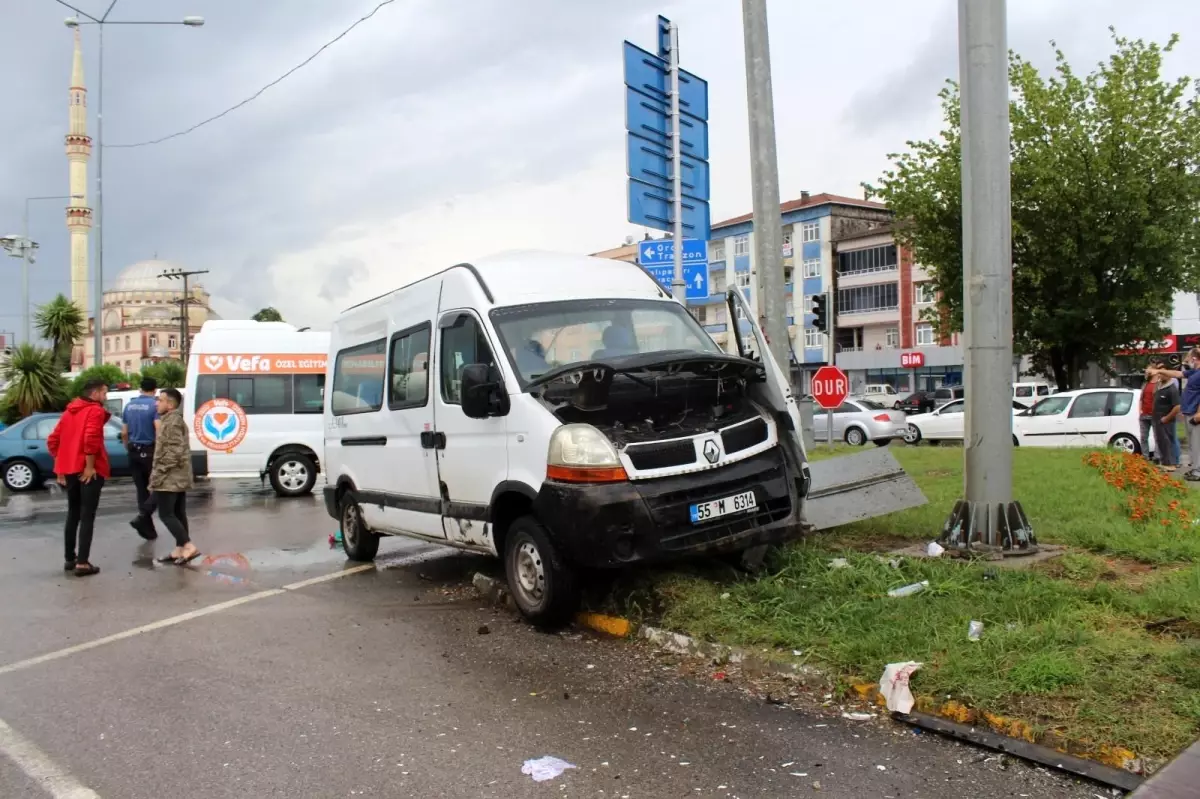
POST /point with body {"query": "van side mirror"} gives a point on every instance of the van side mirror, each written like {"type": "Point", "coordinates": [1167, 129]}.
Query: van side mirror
{"type": "Point", "coordinates": [483, 393]}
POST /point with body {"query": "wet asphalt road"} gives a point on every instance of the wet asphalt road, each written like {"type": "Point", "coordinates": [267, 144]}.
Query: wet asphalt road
{"type": "Point", "coordinates": [392, 681]}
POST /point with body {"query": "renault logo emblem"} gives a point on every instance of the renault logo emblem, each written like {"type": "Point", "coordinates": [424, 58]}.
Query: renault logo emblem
{"type": "Point", "coordinates": [712, 453]}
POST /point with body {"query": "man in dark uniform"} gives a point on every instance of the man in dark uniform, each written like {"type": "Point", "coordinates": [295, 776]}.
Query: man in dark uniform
{"type": "Point", "coordinates": [140, 433]}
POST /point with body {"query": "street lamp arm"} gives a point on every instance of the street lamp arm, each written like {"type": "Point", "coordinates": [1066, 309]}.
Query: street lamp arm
{"type": "Point", "coordinates": [191, 22]}
{"type": "Point", "coordinates": [80, 12]}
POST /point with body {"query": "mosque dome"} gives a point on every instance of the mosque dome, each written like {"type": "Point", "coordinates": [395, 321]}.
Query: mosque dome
{"type": "Point", "coordinates": [147, 276]}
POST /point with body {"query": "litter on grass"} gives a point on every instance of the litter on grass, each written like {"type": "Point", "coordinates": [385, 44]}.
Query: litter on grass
{"type": "Point", "coordinates": [909, 590]}
{"type": "Point", "coordinates": [839, 563]}
{"type": "Point", "coordinates": [894, 686]}
{"type": "Point", "coordinates": [975, 630]}
{"type": "Point", "coordinates": [934, 549]}
{"type": "Point", "coordinates": [545, 768]}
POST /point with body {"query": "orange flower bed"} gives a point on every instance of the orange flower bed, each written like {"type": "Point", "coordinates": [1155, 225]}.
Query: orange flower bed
{"type": "Point", "coordinates": [1151, 496]}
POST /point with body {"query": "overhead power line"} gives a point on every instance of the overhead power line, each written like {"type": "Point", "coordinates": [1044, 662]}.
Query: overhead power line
{"type": "Point", "coordinates": [258, 93]}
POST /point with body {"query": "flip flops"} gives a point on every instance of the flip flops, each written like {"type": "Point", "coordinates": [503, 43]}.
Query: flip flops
{"type": "Point", "coordinates": [183, 561]}
{"type": "Point", "coordinates": [86, 569]}
{"type": "Point", "coordinates": [180, 561]}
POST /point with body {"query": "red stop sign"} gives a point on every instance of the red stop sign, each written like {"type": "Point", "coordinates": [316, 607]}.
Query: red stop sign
{"type": "Point", "coordinates": [830, 387]}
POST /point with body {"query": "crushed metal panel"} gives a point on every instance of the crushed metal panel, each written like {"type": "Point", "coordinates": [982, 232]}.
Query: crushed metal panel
{"type": "Point", "coordinates": [859, 486]}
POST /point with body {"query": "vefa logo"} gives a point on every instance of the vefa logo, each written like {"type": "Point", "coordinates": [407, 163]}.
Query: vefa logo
{"type": "Point", "coordinates": [712, 452]}
{"type": "Point", "coordinates": [253, 363]}
{"type": "Point", "coordinates": [219, 424]}
{"type": "Point", "coordinates": [213, 362]}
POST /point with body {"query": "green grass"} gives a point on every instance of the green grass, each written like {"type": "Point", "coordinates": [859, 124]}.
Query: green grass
{"type": "Point", "coordinates": [1065, 644]}
{"type": "Point", "coordinates": [1074, 656]}
{"type": "Point", "coordinates": [1066, 501]}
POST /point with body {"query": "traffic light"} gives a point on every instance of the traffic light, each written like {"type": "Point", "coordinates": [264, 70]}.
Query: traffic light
{"type": "Point", "coordinates": [820, 312]}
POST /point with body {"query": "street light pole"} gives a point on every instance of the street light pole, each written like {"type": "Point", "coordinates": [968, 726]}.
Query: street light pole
{"type": "Point", "coordinates": [988, 517]}
{"type": "Point", "coordinates": [185, 322]}
{"type": "Point", "coordinates": [764, 175]}
{"type": "Point", "coordinates": [100, 22]}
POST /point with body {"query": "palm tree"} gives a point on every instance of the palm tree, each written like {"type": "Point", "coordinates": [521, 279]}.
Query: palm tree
{"type": "Point", "coordinates": [168, 374]}
{"type": "Point", "coordinates": [61, 322]}
{"type": "Point", "coordinates": [35, 382]}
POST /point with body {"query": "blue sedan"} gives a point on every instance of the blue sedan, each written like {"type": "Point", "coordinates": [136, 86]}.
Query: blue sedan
{"type": "Point", "coordinates": [25, 463]}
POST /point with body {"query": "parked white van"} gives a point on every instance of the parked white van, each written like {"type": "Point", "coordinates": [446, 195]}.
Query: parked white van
{"type": "Point", "coordinates": [254, 398]}
{"type": "Point", "coordinates": [560, 412]}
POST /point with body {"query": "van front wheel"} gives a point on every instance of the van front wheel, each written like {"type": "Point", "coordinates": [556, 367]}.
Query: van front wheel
{"type": "Point", "coordinates": [358, 542]}
{"type": "Point", "coordinates": [293, 474]}
{"type": "Point", "coordinates": [542, 584]}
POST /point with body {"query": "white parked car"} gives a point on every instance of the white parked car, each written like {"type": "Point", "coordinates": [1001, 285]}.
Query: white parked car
{"type": "Point", "coordinates": [878, 390]}
{"type": "Point", "coordinates": [1094, 417]}
{"type": "Point", "coordinates": [947, 423]}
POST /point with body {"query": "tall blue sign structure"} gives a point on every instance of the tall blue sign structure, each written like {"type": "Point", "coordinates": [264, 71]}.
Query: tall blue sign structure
{"type": "Point", "coordinates": [666, 119]}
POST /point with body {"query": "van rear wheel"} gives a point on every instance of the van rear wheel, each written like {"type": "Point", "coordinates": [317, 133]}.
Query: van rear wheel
{"type": "Point", "coordinates": [542, 584]}
{"type": "Point", "coordinates": [293, 474]}
{"type": "Point", "coordinates": [358, 542]}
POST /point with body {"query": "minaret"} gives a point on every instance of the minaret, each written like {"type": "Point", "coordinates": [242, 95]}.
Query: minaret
{"type": "Point", "coordinates": [79, 152]}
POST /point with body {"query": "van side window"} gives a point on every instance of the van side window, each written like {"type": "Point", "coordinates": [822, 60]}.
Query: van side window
{"type": "Point", "coordinates": [257, 394]}
{"type": "Point", "coordinates": [358, 378]}
{"type": "Point", "coordinates": [308, 394]}
{"type": "Point", "coordinates": [463, 343]}
{"type": "Point", "coordinates": [408, 374]}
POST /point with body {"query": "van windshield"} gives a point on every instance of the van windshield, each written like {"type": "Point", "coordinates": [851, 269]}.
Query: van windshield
{"type": "Point", "coordinates": [545, 336]}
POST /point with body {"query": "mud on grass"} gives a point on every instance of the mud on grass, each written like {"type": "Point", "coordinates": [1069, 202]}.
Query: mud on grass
{"type": "Point", "coordinates": [1075, 657]}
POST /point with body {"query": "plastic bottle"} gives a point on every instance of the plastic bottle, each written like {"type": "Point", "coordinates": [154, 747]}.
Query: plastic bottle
{"type": "Point", "coordinates": [909, 590]}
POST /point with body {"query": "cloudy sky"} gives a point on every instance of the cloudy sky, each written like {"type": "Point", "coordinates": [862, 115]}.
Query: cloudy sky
{"type": "Point", "coordinates": [441, 131]}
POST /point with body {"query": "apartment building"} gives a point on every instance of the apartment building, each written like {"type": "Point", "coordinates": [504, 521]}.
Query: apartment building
{"type": "Point", "coordinates": [887, 327]}
{"type": "Point", "coordinates": [844, 246]}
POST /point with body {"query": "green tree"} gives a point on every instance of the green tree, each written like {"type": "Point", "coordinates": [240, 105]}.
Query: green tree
{"type": "Point", "coordinates": [111, 374]}
{"type": "Point", "coordinates": [268, 314]}
{"type": "Point", "coordinates": [35, 382]}
{"type": "Point", "coordinates": [1105, 199]}
{"type": "Point", "coordinates": [62, 324]}
{"type": "Point", "coordinates": [168, 374]}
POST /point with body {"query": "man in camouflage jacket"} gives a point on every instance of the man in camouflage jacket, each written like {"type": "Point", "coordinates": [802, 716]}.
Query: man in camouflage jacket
{"type": "Point", "coordinates": [171, 477]}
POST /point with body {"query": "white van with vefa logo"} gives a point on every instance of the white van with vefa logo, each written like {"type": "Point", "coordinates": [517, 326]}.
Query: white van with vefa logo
{"type": "Point", "coordinates": [562, 413]}
{"type": "Point", "coordinates": [254, 400]}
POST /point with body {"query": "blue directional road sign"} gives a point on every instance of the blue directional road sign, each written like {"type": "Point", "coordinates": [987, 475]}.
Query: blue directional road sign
{"type": "Point", "coordinates": [694, 275]}
{"type": "Point", "coordinates": [649, 159]}
{"type": "Point", "coordinates": [651, 75]}
{"type": "Point", "coordinates": [651, 206]}
{"type": "Point", "coordinates": [650, 119]}
{"type": "Point", "coordinates": [661, 252]}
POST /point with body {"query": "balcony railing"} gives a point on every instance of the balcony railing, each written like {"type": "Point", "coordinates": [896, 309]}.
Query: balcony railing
{"type": "Point", "coordinates": [851, 312]}
{"type": "Point", "coordinates": [869, 270]}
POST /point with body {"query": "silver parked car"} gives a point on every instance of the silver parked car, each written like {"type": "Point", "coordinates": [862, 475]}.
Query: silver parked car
{"type": "Point", "coordinates": [859, 420]}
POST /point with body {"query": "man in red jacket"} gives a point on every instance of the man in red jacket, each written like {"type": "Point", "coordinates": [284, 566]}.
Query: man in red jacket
{"type": "Point", "coordinates": [81, 464]}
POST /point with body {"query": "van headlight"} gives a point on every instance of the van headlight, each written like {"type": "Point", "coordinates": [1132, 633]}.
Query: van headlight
{"type": "Point", "coordinates": [579, 453]}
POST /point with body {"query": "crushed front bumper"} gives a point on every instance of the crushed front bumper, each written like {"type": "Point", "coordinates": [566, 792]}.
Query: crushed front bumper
{"type": "Point", "coordinates": [648, 521]}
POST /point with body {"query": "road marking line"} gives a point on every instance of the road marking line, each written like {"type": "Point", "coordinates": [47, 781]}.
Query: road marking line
{"type": "Point", "coordinates": [145, 628]}
{"type": "Point", "coordinates": [38, 766]}
{"type": "Point", "coordinates": [200, 612]}
{"type": "Point", "coordinates": [324, 578]}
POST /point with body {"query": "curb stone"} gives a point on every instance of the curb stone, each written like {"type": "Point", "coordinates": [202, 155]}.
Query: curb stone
{"type": "Point", "coordinates": [1109, 755]}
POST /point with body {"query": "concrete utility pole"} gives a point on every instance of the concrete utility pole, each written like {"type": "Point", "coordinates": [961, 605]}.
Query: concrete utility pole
{"type": "Point", "coordinates": [185, 318]}
{"type": "Point", "coordinates": [678, 286]}
{"type": "Point", "coordinates": [988, 516]}
{"type": "Point", "coordinates": [764, 175]}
